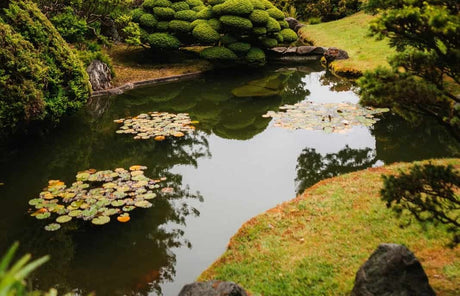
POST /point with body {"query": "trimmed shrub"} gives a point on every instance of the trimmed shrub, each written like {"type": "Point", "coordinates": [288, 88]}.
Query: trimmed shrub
{"type": "Point", "coordinates": [205, 14]}
{"type": "Point", "coordinates": [255, 55]}
{"type": "Point", "coordinates": [234, 7]}
{"type": "Point", "coordinates": [215, 2]}
{"type": "Point", "coordinates": [181, 5]}
{"type": "Point", "coordinates": [242, 47]}
{"type": "Point", "coordinates": [259, 30]}
{"type": "Point", "coordinates": [215, 24]}
{"type": "Point", "coordinates": [283, 24]}
{"type": "Point", "coordinates": [228, 39]}
{"type": "Point", "coordinates": [273, 25]}
{"type": "Point", "coordinates": [268, 42]}
{"type": "Point", "coordinates": [278, 37]}
{"type": "Point", "coordinates": [276, 13]}
{"type": "Point", "coordinates": [194, 3]}
{"type": "Point", "coordinates": [185, 15]}
{"type": "Point", "coordinates": [289, 35]}
{"type": "Point", "coordinates": [136, 14]}
{"type": "Point", "coordinates": [205, 33]}
{"type": "Point", "coordinates": [180, 26]}
{"type": "Point", "coordinates": [258, 4]}
{"type": "Point", "coordinates": [163, 26]}
{"type": "Point", "coordinates": [259, 17]}
{"type": "Point", "coordinates": [163, 41]}
{"type": "Point", "coordinates": [148, 20]}
{"type": "Point", "coordinates": [267, 4]}
{"type": "Point", "coordinates": [197, 22]}
{"type": "Point", "coordinates": [148, 4]}
{"type": "Point", "coordinates": [198, 8]}
{"type": "Point", "coordinates": [237, 23]}
{"type": "Point", "coordinates": [164, 13]}
{"type": "Point", "coordinates": [161, 3]}
{"type": "Point", "coordinates": [218, 54]}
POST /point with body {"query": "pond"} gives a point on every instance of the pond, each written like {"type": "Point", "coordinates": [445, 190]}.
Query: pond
{"type": "Point", "coordinates": [236, 165]}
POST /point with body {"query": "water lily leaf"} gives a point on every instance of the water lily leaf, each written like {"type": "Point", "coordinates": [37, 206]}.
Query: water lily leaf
{"type": "Point", "coordinates": [118, 203]}
{"type": "Point", "coordinates": [75, 213]}
{"type": "Point", "coordinates": [38, 212]}
{"type": "Point", "coordinates": [43, 215]}
{"type": "Point", "coordinates": [101, 220]}
{"type": "Point", "coordinates": [35, 201]}
{"type": "Point", "coordinates": [143, 204]}
{"type": "Point", "coordinates": [63, 219]}
{"type": "Point", "coordinates": [123, 218]}
{"type": "Point", "coordinates": [110, 212]}
{"type": "Point", "coordinates": [128, 208]}
{"type": "Point", "coordinates": [52, 227]}
{"type": "Point", "coordinates": [82, 176]}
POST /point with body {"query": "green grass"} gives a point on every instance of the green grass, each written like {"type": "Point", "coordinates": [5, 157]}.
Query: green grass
{"type": "Point", "coordinates": [315, 244]}
{"type": "Point", "coordinates": [351, 35]}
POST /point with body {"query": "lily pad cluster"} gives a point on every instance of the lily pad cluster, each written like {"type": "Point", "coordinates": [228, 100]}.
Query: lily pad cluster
{"type": "Point", "coordinates": [329, 117]}
{"type": "Point", "coordinates": [157, 125]}
{"type": "Point", "coordinates": [95, 197]}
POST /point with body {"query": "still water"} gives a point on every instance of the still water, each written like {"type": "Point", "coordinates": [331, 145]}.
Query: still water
{"type": "Point", "coordinates": [235, 166]}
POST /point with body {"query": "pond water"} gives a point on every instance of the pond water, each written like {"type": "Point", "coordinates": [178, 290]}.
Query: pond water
{"type": "Point", "coordinates": [233, 167]}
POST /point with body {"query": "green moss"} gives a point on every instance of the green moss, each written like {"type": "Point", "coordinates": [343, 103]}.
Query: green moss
{"type": "Point", "coordinates": [268, 42]}
{"type": "Point", "coordinates": [238, 47]}
{"type": "Point", "coordinates": [289, 35]}
{"type": "Point", "coordinates": [255, 55]}
{"type": "Point", "coordinates": [205, 33]}
{"type": "Point", "coordinates": [163, 26]}
{"type": "Point", "coordinates": [273, 25]}
{"type": "Point", "coordinates": [236, 23]}
{"type": "Point", "coordinates": [147, 20]}
{"type": "Point", "coordinates": [205, 14]}
{"type": "Point", "coordinates": [234, 7]}
{"type": "Point", "coordinates": [163, 41]}
{"type": "Point", "coordinates": [276, 13]}
{"type": "Point", "coordinates": [148, 4]}
{"type": "Point", "coordinates": [218, 54]}
{"type": "Point", "coordinates": [259, 17]}
{"type": "Point", "coordinates": [215, 24]}
{"type": "Point", "coordinates": [186, 15]}
{"type": "Point", "coordinates": [180, 26]}
{"type": "Point", "coordinates": [164, 13]}
{"type": "Point", "coordinates": [259, 30]}
{"type": "Point", "coordinates": [179, 6]}
{"type": "Point", "coordinates": [136, 14]}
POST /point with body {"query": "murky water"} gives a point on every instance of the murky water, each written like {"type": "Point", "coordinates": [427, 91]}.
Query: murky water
{"type": "Point", "coordinates": [235, 166]}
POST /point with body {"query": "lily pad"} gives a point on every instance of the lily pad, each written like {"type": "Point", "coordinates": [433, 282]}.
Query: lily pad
{"type": "Point", "coordinates": [52, 227]}
{"type": "Point", "coordinates": [143, 204]}
{"type": "Point", "coordinates": [43, 215]}
{"type": "Point", "coordinates": [63, 219]}
{"type": "Point", "coordinates": [101, 220]}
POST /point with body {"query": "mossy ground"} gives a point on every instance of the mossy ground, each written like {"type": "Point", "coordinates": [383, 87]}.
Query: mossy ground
{"type": "Point", "coordinates": [136, 64]}
{"type": "Point", "coordinates": [351, 35]}
{"type": "Point", "coordinates": [314, 244]}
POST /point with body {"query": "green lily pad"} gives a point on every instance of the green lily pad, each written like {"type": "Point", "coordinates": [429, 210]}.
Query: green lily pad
{"type": "Point", "coordinates": [52, 227]}
{"type": "Point", "coordinates": [43, 215]}
{"type": "Point", "coordinates": [118, 203]}
{"type": "Point", "coordinates": [143, 204]}
{"type": "Point", "coordinates": [75, 213]}
{"type": "Point", "coordinates": [128, 208]}
{"type": "Point", "coordinates": [35, 201]}
{"type": "Point", "coordinates": [63, 219]}
{"type": "Point", "coordinates": [101, 220]}
{"type": "Point", "coordinates": [149, 195]}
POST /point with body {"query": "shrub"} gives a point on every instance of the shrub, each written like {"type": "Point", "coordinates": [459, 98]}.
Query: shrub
{"type": "Point", "coordinates": [276, 13]}
{"type": "Point", "coordinates": [185, 15]}
{"type": "Point", "coordinates": [164, 13]}
{"type": "Point", "coordinates": [218, 54]}
{"type": "Point", "coordinates": [278, 37]}
{"type": "Point", "coordinates": [259, 17]}
{"type": "Point", "coordinates": [215, 2]}
{"type": "Point", "coordinates": [205, 33]}
{"type": "Point", "coordinates": [258, 4]}
{"type": "Point", "coordinates": [236, 23]}
{"type": "Point", "coordinates": [180, 26]}
{"type": "Point", "coordinates": [239, 47]}
{"type": "Point", "coordinates": [197, 22]}
{"type": "Point", "coordinates": [163, 41]}
{"type": "Point", "coordinates": [215, 24]}
{"type": "Point", "coordinates": [259, 30]}
{"type": "Point", "coordinates": [194, 3]}
{"type": "Point", "coordinates": [255, 55]}
{"type": "Point", "coordinates": [228, 39]}
{"type": "Point", "coordinates": [283, 24]}
{"type": "Point", "coordinates": [289, 35]}
{"type": "Point", "coordinates": [163, 26]}
{"type": "Point", "coordinates": [136, 14]}
{"type": "Point", "coordinates": [234, 7]}
{"type": "Point", "coordinates": [148, 20]}
{"type": "Point", "coordinates": [70, 26]}
{"type": "Point", "coordinates": [181, 5]}
{"type": "Point", "coordinates": [273, 25]}
{"type": "Point", "coordinates": [268, 42]}
{"type": "Point", "coordinates": [205, 14]}
{"type": "Point", "coordinates": [198, 8]}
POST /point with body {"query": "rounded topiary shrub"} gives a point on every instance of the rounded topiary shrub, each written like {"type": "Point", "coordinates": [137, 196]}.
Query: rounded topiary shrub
{"type": "Point", "coordinates": [255, 55]}
{"type": "Point", "coordinates": [259, 30]}
{"type": "Point", "coordinates": [197, 22]}
{"type": "Point", "coordinates": [273, 25]}
{"type": "Point", "coordinates": [186, 15]}
{"type": "Point", "coordinates": [205, 33]}
{"type": "Point", "coordinates": [258, 4]}
{"type": "Point", "coordinates": [242, 47]}
{"type": "Point", "coordinates": [181, 5]}
{"type": "Point", "coordinates": [234, 7]}
{"type": "Point", "coordinates": [136, 14]}
{"type": "Point", "coordinates": [283, 24]}
{"type": "Point", "coordinates": [228, 39]}
{"type": "Point", "coordinates": [162, 26]}
{"type": "Point", "coordinates": [161, 3]}
{"type": "Point", "coordinates": [268, 42]}
{"type": "Point", "coordinates": [215, 24]}
{"type": "Point", "coordinates": [289, 35]}
{"type": "Point", "coordinates": [164, 13]}
{"type": "Point", "coordinates": [276, 13]}
{"type": "Point", "coordinates": [180, 26]}
{"type": "Point", "coordinates": [218, 54]}
{"type": "Point", "coordinates": [237, 23]}
{"type": "Point", "coordinates": [259, 17]}
{"type": "Point", "coordinates": [163, 41]}
{"type": "Point", "coordinates": [194, 3]}
{"type": "Point", "coordinates": [148, 20]}
{"type": "Point", "coordinates": [205, 14]}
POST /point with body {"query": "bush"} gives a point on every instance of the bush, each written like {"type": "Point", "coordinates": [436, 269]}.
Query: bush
{"type": "Point", "coordinates": [283, 24]}
{"type": "Point", "coordinates": [259, 30]}
{"type": "Point", "coordinates": [276, 13]}
{"type": "Point", "coordinates": [197, 22]}
{"type": "Point", "coordinates": [236, 23]}
{"type": "Point", "coordinates": [205, 14]}
{"type": "Point", "coordinates": [255, 55]}
{"type": "Point", "coordinates": [242, 47]}
{"type": "Point", "coordinates": [218, 54]}
{"type": "Point", "coordinates": [164, 13]}
{"type": "Point", "coordinates": [268, 42]}
{"type": "Point", "coordinates": [161, 3]}
{"type": "Point", "coordinates": [186, 15]}
{"type": "Point", "coordinates": [234, 7]}
{"type": "Point", "coordinates": [148, 20]}
{"type": "Point", "coordinates": [70, 26]}
{"type": "Point", "coordinates": [273, 25]}
{"type": "Point", "coordinates": [179, 6]}
{"type": "Point", "coordinates": [205, 33]}
{"type": "Point", "coordinates": [215, 24]}
{"type": "Point", "coordinates": [180, 26]}
{"type": "Point", "coordinates": [163, 41]}
{"type": "Point", "coordinates": [258, 4]}
{"type": "Point", "coordinates": [289, 35]}
{"type": "Point", "coordinates": [194, 3]}
{"type": "Point", "coordinates": [228, 39]}
{"type": "Point", "coordinates": [163, 26]}
{"type": "Point", "coordinates": [136, 14]}
{"type": "Point", "coordinates": [259, 17]}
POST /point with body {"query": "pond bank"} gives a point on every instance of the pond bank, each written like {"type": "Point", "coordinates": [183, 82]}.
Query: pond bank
{"type": "Point", "coordinates": [317, 241]}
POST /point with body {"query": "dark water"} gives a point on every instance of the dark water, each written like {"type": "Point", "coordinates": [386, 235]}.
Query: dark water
{"type": "Point", "coordinates": [235, 166]}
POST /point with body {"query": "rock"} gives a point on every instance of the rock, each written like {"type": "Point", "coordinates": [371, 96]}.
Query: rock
{"type": "Point", "coordinates": [334, 53]}
{"type": "Point", "coordinates": [392, 270]}
{"type": "Point", "coordinates": [294, 24]}
{"type": "Point", "coordinates": [100, 75]}
{"type": "Point", "coordinates": [212, 288]}
{"type": "Point", "coordinates": [303, 50]}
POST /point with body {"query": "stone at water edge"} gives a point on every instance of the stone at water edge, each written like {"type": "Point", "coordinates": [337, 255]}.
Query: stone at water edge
{"type": "Point", "coordinates": [392, 270]}
{"type": "Point", "coordinates": [100, 75]}
{"type": "Point", "coordinates": [294, 24]}
{"type": "Point", "coordinates": [212, 288]}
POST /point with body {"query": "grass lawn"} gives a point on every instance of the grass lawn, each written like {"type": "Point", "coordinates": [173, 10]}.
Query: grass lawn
{"type": "Point", "coordinates": [315, 244]}
{"type": "Point", "coordinates": [350, 34]}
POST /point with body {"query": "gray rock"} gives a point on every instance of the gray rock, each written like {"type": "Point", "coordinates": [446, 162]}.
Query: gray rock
{"type": "Point", "coordinates": [212, 288]}
{"type": "Point", "coordinates": [304, 50]}
{"type": "Point", "coordinates": [294, 24]}
{"type": "Point", "coordinates": [334, 53]}
{"type": "Point", "coordinates": [392, 270]}
{"type": "Point", "coordinates": [99, 75]}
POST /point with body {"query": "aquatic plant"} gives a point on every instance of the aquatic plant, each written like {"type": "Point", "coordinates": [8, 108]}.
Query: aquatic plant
{"type": "Point", "coordinates": [95, 196]}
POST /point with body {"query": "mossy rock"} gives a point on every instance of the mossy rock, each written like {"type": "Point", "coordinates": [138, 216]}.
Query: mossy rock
{"type": "Point", "coordinates": [164, 13]}
{"type": "Point", "coordinates": [237, 23]}
{"type": "Point", "coordinates": [215, 24]}
{"type": "Point", "coordinates": [205, 14]}
{"type": "Point", "coordinates": [259, 17]}
{"type": "Point", "coordinates": [259, 30]}
{"type": "Point", "coordinates": [268, 42]}
{"type": "Point", "coordinates": [186, 15]}
{"type": "Point", "coordinates": [234, 7]}
{"type": "Point", "coordinates": [148, 4]}
{"type": "Point", "coordinates": [256, 55]}
{"type": "Point", "coordinates": [273, 25]}
{"type": "Point", "coordinates": [179, 6]}
{"type": "Point", "coordinates": [136, 14]}
{"type": "Point", "coordinates": [276, 13]}
{"type": "Point", "coordinates": [180, 26]}
{"type": "Point", "coordinates": [218, 54]}
{"type": "Point", "coordinates": [163, 41]}
{"type": "Point", "coordinates": [147, 20]}
{"type": "Point", "coordinates": [289, 35]}
{"type": "Point", "coordinates": [205, 33]}
{"type": "Point", "coordinates": [239, 47]}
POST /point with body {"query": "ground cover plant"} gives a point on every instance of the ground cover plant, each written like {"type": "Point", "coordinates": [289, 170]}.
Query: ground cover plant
{"type": "Point", "coordinates": [315, 243]}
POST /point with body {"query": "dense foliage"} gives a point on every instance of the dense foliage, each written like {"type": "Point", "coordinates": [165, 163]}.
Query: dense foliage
{"type": "Point", "coordinates": [240, 29]}
{"type": "Point", "coordinates": [428, 192]}
{"type": "Point", "coordinates": [40, 76]}
{"type": "Point", "coordinates": [324, 10]}
{"type": "Point", "coordinates": [424, 74]}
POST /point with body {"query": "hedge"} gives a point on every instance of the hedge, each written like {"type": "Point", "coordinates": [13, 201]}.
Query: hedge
{"type": "Point", "coordinates": [218, 54]}
{"type": "Point", "coordinates": [186, 15]}
{"type": "Point", "coordinates": [163, 41]}
{"type": "Point", "coordinates": [148, 20]}
{"type": "Point", "coordinates": [255, 55]}
{"type": "Point", "coordinates": [236, 23]}
{"type": "Point", "coordinates": [289, 35]}
{"type": "Point", "coordinates": [234, 7]}
{"type": "Point", "coordinates": [205, 33]}
{"type": "Point", "coordinates": [180, 26]}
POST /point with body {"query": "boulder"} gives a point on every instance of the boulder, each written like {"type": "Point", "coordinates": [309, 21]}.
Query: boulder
{"type": "Point", "coordinates": [334, 53]}
{"type": "Point", "coordinates": [212, 288]}
{"type": "Point", "coordinates": [392, 270]}
{"type": "Point", "coordinates": [100, 75]}
{"type": "Point", "coordinates": [294, 24]}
